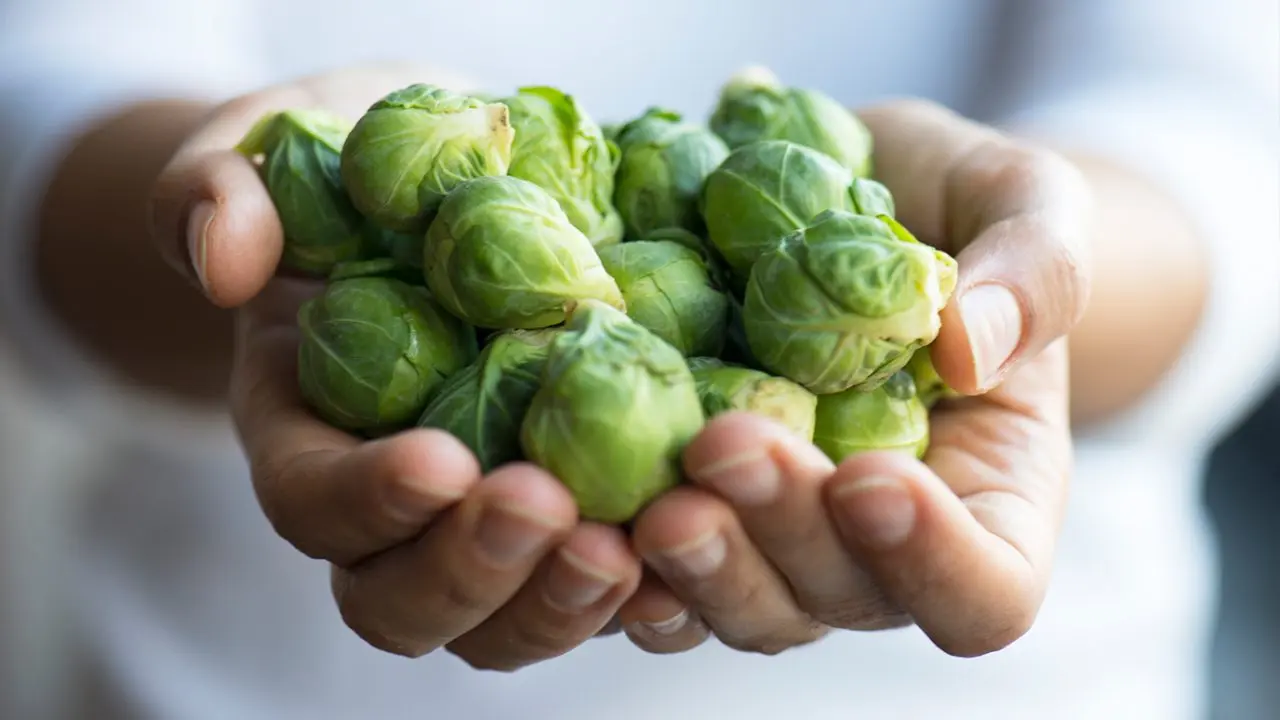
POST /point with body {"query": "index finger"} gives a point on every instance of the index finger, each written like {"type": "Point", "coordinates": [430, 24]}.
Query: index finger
{"type": "Point", "coordinates": [330, 495]}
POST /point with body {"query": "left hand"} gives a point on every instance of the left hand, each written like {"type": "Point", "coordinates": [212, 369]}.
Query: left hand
{"type": "Point", "coordinates": [773, 546]}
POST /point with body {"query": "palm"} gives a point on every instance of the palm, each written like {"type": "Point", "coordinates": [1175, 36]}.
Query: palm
{"type": "Point", "coordinates": [401, 516]}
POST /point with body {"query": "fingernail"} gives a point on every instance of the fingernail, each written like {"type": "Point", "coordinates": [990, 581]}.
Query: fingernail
{"type": "Point", "coordinates": [993, 319]}
{"type": "Point", "coordinates": [198, 223]}
{"type": "Point", "coordinates": [747, 478]}
{"type": "Point", "coordinates": [508, 535]}
{"type": "Point", "coordinates": [878, 511]}
{"type": "Point", "coordinates": [670, 626]}
{"type": "Point", "coordinates": [573, 584]}
{"type": "Point", "coordinates": [698, 558]}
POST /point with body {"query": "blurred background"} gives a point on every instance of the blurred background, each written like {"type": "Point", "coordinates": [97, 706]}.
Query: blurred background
{"type": "Point", "coordinates": [38, 451]}
{"type": "Point", "coordinates": [1243, 494]}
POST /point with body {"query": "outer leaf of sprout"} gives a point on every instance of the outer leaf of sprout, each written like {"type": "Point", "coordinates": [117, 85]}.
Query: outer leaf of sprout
{"type": "Point", "coordinates": [300, 156]}
{"type": "Point", "coordinates": [667, 288]}
{"type": "Point", "coordinates": [665, 162]}
{"type": "Point", "coordinates": [886, 418]}
{"type": "Point", "coordinates": [845, 302]}
{"type": "Point", "coordinates": [503, 254]}
{"type": "Point", "coordinates": [414, 146]}
{"type": "Point", "coordinates": [560, 148]}
{"type": "Point", "coordinates": [377, 267]}
{"type": "Point", "coordinates": [724, 387]}
{"type": "Point", "coordinates": [616, 408]}
{"type": "Point", "coordinates": [765, 191]}
{"type": "Point", "coordinates": [755, 106]}
{"type": "Point", "coordinates": [373, 350]}
{"type": "Point", "coordinates": [929, 385]}
{"type": "Point", "coordinates": [484, 404]}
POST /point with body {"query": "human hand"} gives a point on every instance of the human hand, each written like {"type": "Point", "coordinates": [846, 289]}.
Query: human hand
{"type": "Point", "coordinates": [426, 553]}
{"type": "Point", "coordinates": [772, 546]}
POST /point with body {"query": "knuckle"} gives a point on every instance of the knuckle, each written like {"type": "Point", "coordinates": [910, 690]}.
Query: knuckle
{"type": "Point", "coordinates": [464, 598]}
{"type": "Point", "coordinates": [270, 475]}
{"type": "Point", "coordinates": [730, 597]}
{"type": "Point", "coordinates": [543, 639]}
{"type": "Point", "coordinates": [1045, 198]}
{"type": "Point", "coordinates": [267, 480]}
{"type": "Point", "coordinates": [999, 168]}
{"type": "Point", "coordinates": [868, 612]}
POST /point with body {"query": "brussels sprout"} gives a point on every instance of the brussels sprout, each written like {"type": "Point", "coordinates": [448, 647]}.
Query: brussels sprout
{"type": "Point", "coordinates": [871, 198]}
{"type": "Point", "coordinates": [765, 191]}
{"type": "Point", "coordinates": [717, 268]}
{"type": "Point", "coordinates": [560, 148]}
{"type": "Point", "coordinates": [373, 350]}
{"type": "Point", "coordinates": [667, 288]}
{"type": "Point", "coordinates": [723, 387]}
{"type": "Point", "coordinates": [300, 152]}
{"type": "Point", "coordinates": [610, 131]}
{"type": "Point", "coordinates": [754, 106]}
{"type": "Point", "coordinates": [378, 267]}
{"type": "Point", "coordinates": [502, 254]}
{"type": "Point", "coordinates": [664, 164]}
{"type": "Point", "coordinates": [736, 348]}
{"type": "Point", "coordinates": [845, 302]}
{"type": "Point", "coordinates": [405, 248]}
{"type": "Point", "coordinates": [484, 403]}
{"type": "Point", "coordinates": [929, 385]}
{"type": "Point", "coordinates": [891, 417]}
{"type": "Point", "coordinates": [616, 408]}
{"type": "Point", "coordinates": [414, 146]}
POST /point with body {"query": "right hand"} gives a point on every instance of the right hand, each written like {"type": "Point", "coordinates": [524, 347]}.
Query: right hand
{"type": "Point", "coordinates": [426, 553]}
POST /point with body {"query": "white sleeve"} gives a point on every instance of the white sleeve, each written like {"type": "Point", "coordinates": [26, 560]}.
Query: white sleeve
{"type": "Point", "coordinates": [64, 64]}
{"type": "Point", "coordinates": [1186, 92]}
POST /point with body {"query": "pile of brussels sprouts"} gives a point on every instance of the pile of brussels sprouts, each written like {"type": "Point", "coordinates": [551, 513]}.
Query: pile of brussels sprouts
{"type": "Point", "coordinates": [586, 297]}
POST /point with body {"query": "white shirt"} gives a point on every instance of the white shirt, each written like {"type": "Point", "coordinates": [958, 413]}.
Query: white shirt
{"type": "Point", "coordinates": [142, 579]}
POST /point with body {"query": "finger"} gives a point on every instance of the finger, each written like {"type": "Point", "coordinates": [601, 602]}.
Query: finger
{"type": "Point", "coordinates": [657, 621]}
{"type": "Point", "coordinates": [916, 142]}
{"type": "Point", "coordinates": [418, 597]}
{"type": "Point", "coordinates": [323, 491]}
{"type": "Point", "coordinates": [613, 627]}
{"type": "Point", "coordinates": [1024, 278]}
{"type": "Point", "coordinates": [212, 219]}
{"type": "Point", "coordinates": [1018, 220]}
{"type": "Point", "coordinates": [970, 562]}
{"type": "Point", "coordinates": [696, 545]}
{"type": "Point", "coordinates": [571, 598]}
{"type": "Point", "coordinates": [344, 507]}
{"type": "Point", "coordinates": [775, 483]}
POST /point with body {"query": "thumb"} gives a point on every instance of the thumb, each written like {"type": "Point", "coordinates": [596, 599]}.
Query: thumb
{"type": "Point", "coordinates": [213, 222]}
{"type": "Point", "coordinates": [1024, 278]}
{"type": "Point", "coordinates": [212, 219]}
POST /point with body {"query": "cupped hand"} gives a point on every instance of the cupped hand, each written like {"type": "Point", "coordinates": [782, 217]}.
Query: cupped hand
{"type": "Point", "coordinates": [426, 553]}
{"type": "Point", "coordinates": [772, 547]}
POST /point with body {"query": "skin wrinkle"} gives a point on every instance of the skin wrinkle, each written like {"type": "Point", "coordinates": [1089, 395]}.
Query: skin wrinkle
{"type": "Point", "coordinates": [997, 617]}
